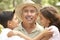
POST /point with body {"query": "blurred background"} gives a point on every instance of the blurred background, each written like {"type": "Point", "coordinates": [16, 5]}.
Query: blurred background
{"type": "Point", "coordinates": [10, 4]}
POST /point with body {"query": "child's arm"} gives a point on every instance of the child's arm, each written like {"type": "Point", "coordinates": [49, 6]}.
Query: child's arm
{"type": "Point", "coordinates": [16, 33]}
{"type": "Point", "coordinates": [45, 35]}
{"type": "Point", "coordinates": [42, 36]}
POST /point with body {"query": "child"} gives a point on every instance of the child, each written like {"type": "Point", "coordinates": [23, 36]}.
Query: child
{"type": "Point", "coordinates": [49, 20]}
{"type": "Point", "coordinates": [9, 21]}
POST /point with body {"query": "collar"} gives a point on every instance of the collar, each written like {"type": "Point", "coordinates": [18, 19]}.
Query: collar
{"type": "Point", "coordinates": [37, 28]}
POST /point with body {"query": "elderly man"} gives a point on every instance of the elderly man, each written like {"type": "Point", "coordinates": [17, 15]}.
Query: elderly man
{"type": "Point", "coordinates": [28, 12]}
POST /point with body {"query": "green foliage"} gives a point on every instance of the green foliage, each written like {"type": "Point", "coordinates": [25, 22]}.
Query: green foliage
{"type": "Point", "coordinates": [59, 0]}
{"type": "Point", "coordinates": [1, 0]}
{"type": "Point", "coordinates": [37, 1]}
{"type": "Point", "coordinates": [10, 4]}
{"type": "Point", "coordinates": [1, 28]}
{"type": "Point", "coordinates": [5, 4]}
{"type": "Point", "coordinates": [53, 2]}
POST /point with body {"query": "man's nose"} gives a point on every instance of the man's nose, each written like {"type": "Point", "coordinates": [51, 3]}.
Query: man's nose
{"type": "Point", "coordinates": [29, 13]}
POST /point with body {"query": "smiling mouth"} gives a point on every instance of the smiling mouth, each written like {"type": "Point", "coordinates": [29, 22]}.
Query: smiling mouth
{"type": "Point", "coordinates": [29, 18]}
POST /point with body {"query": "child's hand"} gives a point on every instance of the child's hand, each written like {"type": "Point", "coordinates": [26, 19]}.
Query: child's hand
{"type": "Point", "coordinates": [48, 33]}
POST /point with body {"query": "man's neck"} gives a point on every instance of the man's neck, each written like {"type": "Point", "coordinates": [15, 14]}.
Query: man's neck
{"type": "Point", "coordinates": [29, 27]}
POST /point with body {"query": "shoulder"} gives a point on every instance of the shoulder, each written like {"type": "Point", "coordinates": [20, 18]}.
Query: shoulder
{"type": "Point", "coordinates": [5, 30]}
{"type": "Point", "coordinates": [53, 27]}
{"type": "Point", "coordinates": [55, 30]}
{"type": "Point", "coordinates": [41, 28]}
{"type": "Point", "coordinates": [19, 27]}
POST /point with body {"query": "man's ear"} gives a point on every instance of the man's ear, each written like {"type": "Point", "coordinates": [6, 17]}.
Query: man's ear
{"type": "Point", "coordinates": [37, 14]}
{"type": "Point", "coordinates": [21, 16]}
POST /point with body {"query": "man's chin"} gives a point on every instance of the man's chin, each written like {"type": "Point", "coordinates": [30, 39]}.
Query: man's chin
{"type": "Point", "coordinates": [30, 22]}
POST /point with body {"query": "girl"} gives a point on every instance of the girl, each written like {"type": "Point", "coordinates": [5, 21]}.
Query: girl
{"type": "Point", "coordinates": [49, 20]}
{"type": "Point", "coordinates": [9, 21]}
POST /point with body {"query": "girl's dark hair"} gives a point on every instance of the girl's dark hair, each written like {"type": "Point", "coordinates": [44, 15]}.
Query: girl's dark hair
{"type": "Point", "coordinates": [49, 13]}
{"type": "Point", "coordinates": [5, 16]}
